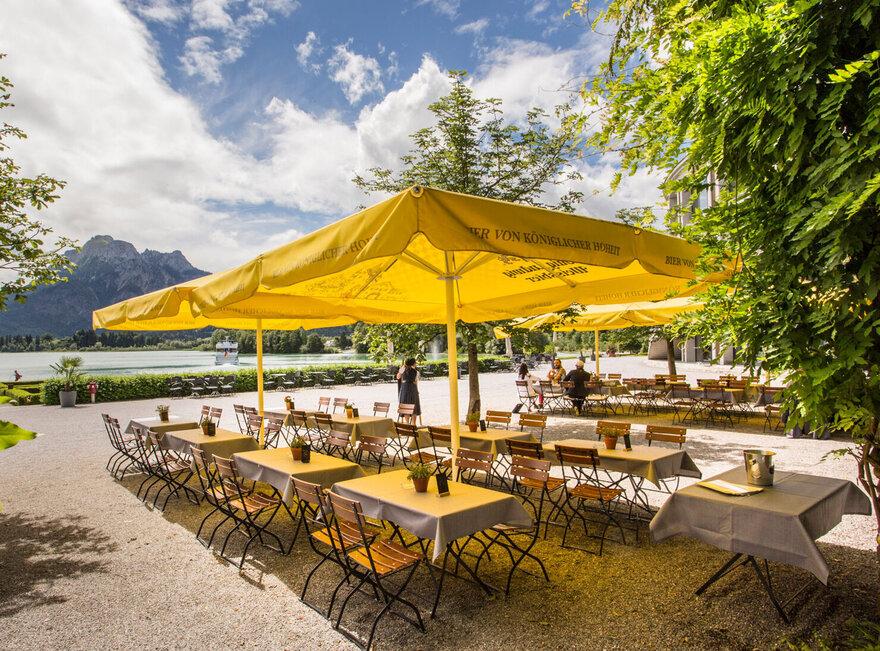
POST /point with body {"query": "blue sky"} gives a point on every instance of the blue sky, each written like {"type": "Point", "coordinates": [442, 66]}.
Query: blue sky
{"type": "Point", "coordinates": [227, 127]}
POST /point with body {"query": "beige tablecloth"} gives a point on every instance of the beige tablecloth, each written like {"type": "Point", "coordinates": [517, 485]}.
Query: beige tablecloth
{"type": "Point", "coordinates": [653, 463]}
{"type": "Point", "coordinates": [275, 466]}
{"type": "Point", "coordinates": [369, 425]}
{"type": "Point", "coordinates": [492, 440]}
{"type": "Point", "coordinates": [224, 444]}
{"type": "Point", "coordinates": [466, 510]}
{"type": "Point", "coordinates": [160, 427]}
{"type": "Point", "coordinates": [780, 523]}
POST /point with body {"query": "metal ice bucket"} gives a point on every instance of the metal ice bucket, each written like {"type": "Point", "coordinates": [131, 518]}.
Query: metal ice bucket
{"type": "Point", "coordinates": [759, 467]}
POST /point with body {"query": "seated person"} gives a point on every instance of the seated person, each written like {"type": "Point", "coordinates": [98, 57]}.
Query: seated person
{"type": "Point", "coordinates": [557, 373]}
{"type": "Point", "coordinates": [579, 377]}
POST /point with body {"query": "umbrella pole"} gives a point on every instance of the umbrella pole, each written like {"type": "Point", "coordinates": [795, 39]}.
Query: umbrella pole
{"type": "Point", "coordinates": [260, 377]}
{"type": "Point", "coordinates": [452, 357]}
{"type": "Point", "coordinates": [596, 349]}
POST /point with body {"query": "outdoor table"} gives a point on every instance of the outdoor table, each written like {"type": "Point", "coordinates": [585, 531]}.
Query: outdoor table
{"type": "Point", "coordinates": [155, 424]}
{"type": "Point", "coordinates": [224, 443]}
{"type": "Point", "coordinates": [369, 425]}
{"type": "Point", "coordinates": [779, 524]}
{"type": "Point", "coordinates": [649, 462]}
{"type": "Point", "coordinates": [488, 441]}
{"type": "Point", "coordinates": [276, 466]}
{"type": "Point", "coordinates": [465, 511]}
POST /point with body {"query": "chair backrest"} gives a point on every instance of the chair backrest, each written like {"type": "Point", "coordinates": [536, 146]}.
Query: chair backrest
{"type": "Point", "coordinates": [271, 430]}
{"type": "Point", "coordinates": [324, 404]}
{"type": "Point", "coordinates": [529, 468]}
{"type": "Point", "coordinates": [299, 418]}
{"type": "Point", "coordinates": [406, 429]}
{"type": "Point", "coordinates": [737, 384]}
{"type": "Point", "coordinates": [381, 408]}
{"type": "Point", "coordinates": [323, 421]}
{"type": "Point", "coordinates": [372, 444]}
{"type": "Point", "coordinates": [615, 376]}
{"type": "Point", "coordinates": [254, 424]}
{"type": "Point", "coordinates": [215, 414]}
{"type": "Point", "coordinates": [338, 439]}
{"type": "Point", "coordinates": [304, 491]}
{"type": "Point", "coordinates": [206, 411]}
{"type": "Point", "coordinates": [441, 436]}
{"type": "Point", "coordinates": [665, 433]}
{"type": "Point", "coordinates": [499, 417]}
{"type": "Point", "coordinates": [349, 522]}
{"type": "Point", "coordinates": [339, 403]}
{"type": "Point", "coordinates": [538, 421]}
{"type": "Point", "coordinates": [616, 427]}
{"type": "Point", "coordinates": [577, 456]}
{"type": "Point", "coordinates": [531, 449]}
{"type": "Point", "coordinates": [405, 410]}
{"type": "Point", "coordinates": [474, 460]}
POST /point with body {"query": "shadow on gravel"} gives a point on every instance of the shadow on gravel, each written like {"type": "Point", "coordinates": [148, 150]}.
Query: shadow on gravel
{"type": "Point", "coordinates": [36, 552]}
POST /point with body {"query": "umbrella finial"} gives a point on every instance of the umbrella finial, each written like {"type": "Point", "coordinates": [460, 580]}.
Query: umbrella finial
{"type": "Point", "coordinates": [417, 191]}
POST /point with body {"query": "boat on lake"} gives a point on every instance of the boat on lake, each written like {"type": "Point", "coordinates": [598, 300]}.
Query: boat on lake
{"type": "Point", "coordinates": [227, 352]}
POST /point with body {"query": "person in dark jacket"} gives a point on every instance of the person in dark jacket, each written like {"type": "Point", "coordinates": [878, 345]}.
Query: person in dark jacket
{"type": "Point", "coordinates": [578, 391]}
{"type": "Point", "coordinates": [409, 391]}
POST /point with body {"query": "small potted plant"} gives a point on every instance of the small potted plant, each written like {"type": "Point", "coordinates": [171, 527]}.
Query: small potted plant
{"type": "Point", "coordinates": [208, 426]}
{"type": "Point", "coordinates": [420, 474]}
{"type": "Point", "coordinates": [472, 420]}
{"type": "Point", "coordinates": [288, 401]}
{"type": "Point", "coordinates": [68, 369]}
{"type": "Point", "coordinates": [163, 413]}
{"type": "Point", "coordinates": [609, 435]}
{"type": "Point", "coordinates": [296, 447]}
{"type": "Point", "coordinates": [349, 409]}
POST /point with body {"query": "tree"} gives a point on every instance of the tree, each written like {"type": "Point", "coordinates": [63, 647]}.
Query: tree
{"type": "Point", "coordinates": [314, 344]}
{"type": "Point", "coordinates": [780, 100]}
{"type": "Point", "coordinates": [470, 149]}
{"type": "Point", "coordinates": [22, 248]}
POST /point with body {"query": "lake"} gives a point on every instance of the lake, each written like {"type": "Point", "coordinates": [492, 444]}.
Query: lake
{"type": "Point", "coordinates": [35, 366]}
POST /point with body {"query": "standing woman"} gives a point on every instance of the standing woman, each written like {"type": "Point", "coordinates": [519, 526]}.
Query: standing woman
{"type": "Point", "coordinates": [409, 390]}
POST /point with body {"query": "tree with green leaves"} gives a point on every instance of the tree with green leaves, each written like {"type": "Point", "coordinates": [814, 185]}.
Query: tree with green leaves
{"type": "Point", "coordinates": [471, 149]}
{"type": "Point", "coordinates": [23, 250]}
{"type": "Point", "coordinates": [781, 100]}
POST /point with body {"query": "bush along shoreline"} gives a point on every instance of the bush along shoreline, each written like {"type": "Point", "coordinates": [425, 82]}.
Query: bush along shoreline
{"type": "Point", "coordinates": [147, 385]}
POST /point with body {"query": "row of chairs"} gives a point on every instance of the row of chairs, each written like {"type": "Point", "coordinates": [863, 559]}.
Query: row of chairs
{"type": "Point", "coordinates": [208, 385]}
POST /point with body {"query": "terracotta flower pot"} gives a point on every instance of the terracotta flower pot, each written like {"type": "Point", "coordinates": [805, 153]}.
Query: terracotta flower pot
{"type": "Point", "coordinates": [420, 484]}
{"type": "Point", "coordinates": [164, 417]}
{"type": "Point", "coordinates": [297, 453]}
{"type": "Point", "coordinates": [610, 441]}
{"type": "Point", "coordinates": [349, 412]}
{"type": "Point", "coordinates": [473, 426]}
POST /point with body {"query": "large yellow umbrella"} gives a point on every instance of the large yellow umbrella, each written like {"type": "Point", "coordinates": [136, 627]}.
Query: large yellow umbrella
{"type": "Point", "coordinates": [611, 317]}
{"type": "Point", "coordinates": [428, 256]}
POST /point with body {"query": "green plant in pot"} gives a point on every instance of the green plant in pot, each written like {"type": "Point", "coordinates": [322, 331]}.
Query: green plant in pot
{"type": "Point", "coordinates": [163, 413]}
{"type": "Point", "coordinates": [296, 447]}
{"type": "Point", "coordinates": [419, 474]}
{"type": "Point", "coordinates": [609, 435]}
{"type": "Point", "coordinates": [68, 369]}
{"type": "Point", "coordinates": [208, 426]}
{"type": "Point", "coordinates": [472, 420]}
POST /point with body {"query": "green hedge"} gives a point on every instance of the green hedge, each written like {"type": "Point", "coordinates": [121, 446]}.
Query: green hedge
{"type": "Point", "coordinates": [143, 386]}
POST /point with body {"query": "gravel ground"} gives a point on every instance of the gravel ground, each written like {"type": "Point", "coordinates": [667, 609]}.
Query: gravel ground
{"type": "Point", "coordinates": [85, 565]}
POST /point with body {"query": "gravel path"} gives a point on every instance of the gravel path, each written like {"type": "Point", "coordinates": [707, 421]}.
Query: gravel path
{"type": "Point", "coordinates": [85, 565]}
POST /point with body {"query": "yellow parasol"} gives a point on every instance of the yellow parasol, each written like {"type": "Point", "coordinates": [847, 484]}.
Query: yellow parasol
{"type": "Point", "coordinates": [426, 256]}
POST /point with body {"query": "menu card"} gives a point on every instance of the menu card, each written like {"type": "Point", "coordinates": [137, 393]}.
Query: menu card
{"type": "Point", "coordinates": [729, 488]}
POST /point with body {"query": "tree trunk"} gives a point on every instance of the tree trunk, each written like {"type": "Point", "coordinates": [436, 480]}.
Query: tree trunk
{"type": "Point", "coordinates": [670, 356]}
{"type": "Point", "coordinates": [473, 379]}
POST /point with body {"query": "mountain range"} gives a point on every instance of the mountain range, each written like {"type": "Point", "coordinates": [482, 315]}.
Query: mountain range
{"type": "Point", "coordinates": [107, 271]}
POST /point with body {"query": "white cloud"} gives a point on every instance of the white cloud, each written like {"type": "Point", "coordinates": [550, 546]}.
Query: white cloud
{"type": "Point", "coordinates": [199, 58]}
{"type": "Point", "coordinates": [358, 75]}
{"type": "Point", "coordinates": [306, 49]}
{"type": "Point", "coordinates": [444, 7]}
{"type": "Point", "coordinates": [167, 12]}
{"type": "Point", "coordinates": [211, 14]}
{"type": "Point", "coordinates": [475, 27]}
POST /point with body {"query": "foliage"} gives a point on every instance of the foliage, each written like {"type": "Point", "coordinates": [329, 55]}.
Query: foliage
{"type": "Point", "coordinates": [68, 369]}
{"type": "Point", "coordinates": [472, 417]}
{"type": "Point", "coordinates": [297, 441]}
{"type": "Point", "coordinates": [419, 471]}
{"type": "Point", "coordinates": [10, 434]}
{"type": "Point", "coordinates": [782, 101]}
{"type": "Point", "coordinates": [23, 251]}
{"type": "Point", "coordinates": [407, 339]}
{"type": "Point", "coordinates": [162, 409]}
{"type": "Point", "coordinates": [864, 636]}
{"type": "Point", "coordinates": [470, 149]}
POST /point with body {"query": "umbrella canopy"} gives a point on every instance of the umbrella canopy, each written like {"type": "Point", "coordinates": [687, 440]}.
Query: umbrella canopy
{"type": "Point", "coordinates": [426, 256]}
{"type": "Point", "coordinates": [612, 317]}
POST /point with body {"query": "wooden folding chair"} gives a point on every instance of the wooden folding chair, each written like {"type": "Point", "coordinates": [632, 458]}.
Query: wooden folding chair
{"type": "Point", "coordinates": [324, 404]}
{"type": "Point", "coordinates": [498, 418]}
{"type": "Point", "coordinates": [534, 423]}
{"type": "Point", "coordinates": [374, 447]}
{"type": "Point", "coordinates": [381, 408]}
{"type": "Point", "coordinates": [339, 403]}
